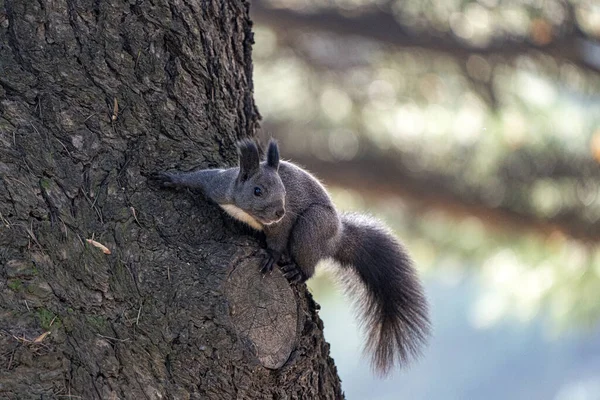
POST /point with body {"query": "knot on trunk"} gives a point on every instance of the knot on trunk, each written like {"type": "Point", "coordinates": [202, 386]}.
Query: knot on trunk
{"type": "Point", "coordinates": [264, 311]}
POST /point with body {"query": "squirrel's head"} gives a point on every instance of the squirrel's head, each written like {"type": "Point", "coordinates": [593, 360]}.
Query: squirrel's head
{"type": "Point", "coordinates": [259, 190]}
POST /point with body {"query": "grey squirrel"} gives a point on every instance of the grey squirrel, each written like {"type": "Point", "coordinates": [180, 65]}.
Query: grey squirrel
{"type": "Point", "coordinates": [302, 226]}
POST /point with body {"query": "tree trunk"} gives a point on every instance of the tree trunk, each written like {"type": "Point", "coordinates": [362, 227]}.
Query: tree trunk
{"type": "Point", "coordinates": [95, 96]}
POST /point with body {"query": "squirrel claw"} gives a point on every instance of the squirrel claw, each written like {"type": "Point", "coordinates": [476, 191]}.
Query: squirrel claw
{"type": "Point", "coordinates": [288, 267]}
{"type": "Point", "coordinates": [268, 267]}
{"type": "Point", "coordinates": [163, 179]}
{"type": "Point", "coordinates": [293, 273]}
{"type": "Point", "coordinates": [272, 260]}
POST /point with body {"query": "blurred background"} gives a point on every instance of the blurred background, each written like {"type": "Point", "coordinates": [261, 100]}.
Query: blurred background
{"type": "Point", "coordinates": [473, 129]}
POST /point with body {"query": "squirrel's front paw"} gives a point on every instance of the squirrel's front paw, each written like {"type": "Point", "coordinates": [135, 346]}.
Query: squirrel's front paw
{"type": "Point", "coordinates": [292, 272]}
{"type": "Point", "coordinates": [272, 259]}
{"type": "Point", "coordinates": [163, 179]}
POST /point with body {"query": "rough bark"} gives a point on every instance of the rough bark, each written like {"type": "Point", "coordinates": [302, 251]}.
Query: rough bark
{"type": "Point", "coordinates": [94, 96]}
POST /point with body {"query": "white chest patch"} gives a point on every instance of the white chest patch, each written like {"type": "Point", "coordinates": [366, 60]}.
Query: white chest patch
{"type": "Point", "coordinates": [241, 215]}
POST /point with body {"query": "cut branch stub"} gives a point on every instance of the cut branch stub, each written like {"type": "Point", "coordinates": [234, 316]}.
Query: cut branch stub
{"type": "Point", "coordinates": [264, 311]}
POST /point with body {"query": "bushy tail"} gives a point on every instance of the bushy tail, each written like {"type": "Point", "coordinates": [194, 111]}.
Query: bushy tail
{"type": "Point", "coordinates": [391, 303]}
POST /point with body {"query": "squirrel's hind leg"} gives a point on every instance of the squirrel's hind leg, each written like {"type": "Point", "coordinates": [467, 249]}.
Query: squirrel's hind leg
{"type": "Point", "coordinates": [313, 237]}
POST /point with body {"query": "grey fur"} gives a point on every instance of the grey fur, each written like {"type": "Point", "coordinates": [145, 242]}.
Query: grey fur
{"type": "Point", "coordinates": [235, 186]}
{"type": "Point", "coordinates": [390, 297]}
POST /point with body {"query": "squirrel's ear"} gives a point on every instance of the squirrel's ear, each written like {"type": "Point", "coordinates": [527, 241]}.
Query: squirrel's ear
{"type": "Point", "coordinates": [273, 155]}
{"type": "Point", "coordinates": [249, 160]}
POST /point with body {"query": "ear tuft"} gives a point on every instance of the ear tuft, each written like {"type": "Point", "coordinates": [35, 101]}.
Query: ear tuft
{"type": "Point", "coordinates": [273, 154]}
{"type": "Point", "coordinates": [249, 159]}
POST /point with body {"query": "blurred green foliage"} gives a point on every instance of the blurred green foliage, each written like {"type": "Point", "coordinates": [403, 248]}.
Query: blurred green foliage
{"type": "Point", "coordinates": [496, 153]}
{"type": "Point", "coordinates": [533, 150]}
{"type": "Point", "coordinates": [521, 133]}
{"type": "Point", "coordinates": [522, 274]}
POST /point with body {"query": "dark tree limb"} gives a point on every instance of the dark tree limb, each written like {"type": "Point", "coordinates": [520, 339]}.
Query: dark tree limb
{"type": "Point", "coordinates": [381, 26]}
{"type": "Point", "coordinates": [374, 174]}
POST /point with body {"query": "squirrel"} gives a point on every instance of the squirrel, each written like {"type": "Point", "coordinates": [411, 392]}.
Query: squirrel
{"type": "Point", "coordinates": [302, 227]}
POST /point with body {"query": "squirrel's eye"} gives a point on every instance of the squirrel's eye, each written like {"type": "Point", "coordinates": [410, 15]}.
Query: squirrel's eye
{"type": "Point", "coordinates": [257, 191]}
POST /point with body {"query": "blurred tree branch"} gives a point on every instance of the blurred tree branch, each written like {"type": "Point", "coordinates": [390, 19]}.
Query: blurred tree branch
{"type": "Point", "coordinates": [376, 179]}
{"type": "Point", "coordinates": [572, 44]}
{"type": "Point", "coordinates": [373, 172]}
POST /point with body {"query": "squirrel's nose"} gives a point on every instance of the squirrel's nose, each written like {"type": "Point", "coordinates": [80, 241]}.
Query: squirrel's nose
{"type": "Point", "coordinates": [280, 213]}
